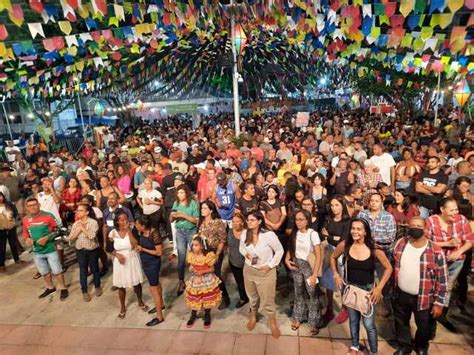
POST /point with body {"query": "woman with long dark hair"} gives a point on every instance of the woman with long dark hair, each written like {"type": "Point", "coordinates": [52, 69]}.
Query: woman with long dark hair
{"type": "Point", "coordinates": [263, 252]}
{"type": "Point", "coordinates": [403, 210]}
{"type": "Point", "coordinates": [213, 232]}
{"type": "Point", "coordinates": [185, 213]}
{"type": "Point", "coordinates": [335, 230]}
{"type": "Point", "coordinates": [304, 243]}
{"type": "Point", "coordinates": [236, 260]}
{"type": "Point", "coordinates": [360, 255]}
{"type": "Point", "coordinates": [150, 249]}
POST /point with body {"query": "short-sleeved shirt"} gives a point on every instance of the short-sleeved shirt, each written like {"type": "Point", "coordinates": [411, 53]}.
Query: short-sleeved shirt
{"type": "Point", "coordinates": [152, 195]}
{"type": "Point", "coordinates": [191, 210]}
{"type": "Point", "coordinates": [305, 243]}
{"type": "Point", "coordinates": [37, 227]}
{"type": "Point", "coordinates": [246, 206]}
{"type": "Point", "coordinates": [431, 201]}
{"type": "Point", "coordinates": [109, 215]}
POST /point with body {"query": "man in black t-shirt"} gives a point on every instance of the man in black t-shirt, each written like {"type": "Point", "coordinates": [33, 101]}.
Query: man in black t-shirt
{"type": "Point", "coordinates": [430, 186]}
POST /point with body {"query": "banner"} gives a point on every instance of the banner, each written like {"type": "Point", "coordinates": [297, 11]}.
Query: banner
{"type": "Point", "coordinates": [302, 119]}
{"type": "Point", "coordinates": [184, 108]}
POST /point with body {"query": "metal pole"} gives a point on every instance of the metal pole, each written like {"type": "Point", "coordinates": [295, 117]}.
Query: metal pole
{"type": "Point", "coordinates": [235, 73]}
{"type": "Point", "coordinates": [437, 100]}
{"type": "Point", "coordinates": [82, 116]}
{"type": "Point", "coordinates": [7, 120]}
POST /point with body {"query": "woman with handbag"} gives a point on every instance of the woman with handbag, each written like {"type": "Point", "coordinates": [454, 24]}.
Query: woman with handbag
{"type": "Point", "coordinates": [304, 260]}
{"type": "Point", "coordinates": [360, 294]}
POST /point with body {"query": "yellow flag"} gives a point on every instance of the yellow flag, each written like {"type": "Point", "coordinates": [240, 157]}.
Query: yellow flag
{"type": "Point", "coordinates": [406, 6]}
{"type": "Point", "coordinates": [113, 21]}
{"type": "Point", "coordinates": [406, 41]}
{"type": "Point", "coordinates": [418, 44]}
{"type": "Point", "coordinates": [83, 11]}
{"type": "Point", "coordinates": [445, 20]}
{"type": "Point", "coordinates": [375, 32]}
{"type": "Point", "coordinates": [72, 51]}
{"type": "Point", "coordinates": [454, 5]}
{"type": "Point", "coordinates": [5, 5]}
{"type": "Point", "coordinates": [80, 66]}
{"type": "Point", "coordinates": [65, 27]}
{"type": "Point", "coordinates": [426, 32]}
{"type": "Point", "coordinates": [435, 19]}
{"type": "Point", "coordinates": [3, 50]}
{"type": "Point", "coordinates": [384, 19]}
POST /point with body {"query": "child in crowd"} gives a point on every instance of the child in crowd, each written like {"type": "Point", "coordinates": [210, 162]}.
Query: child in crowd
{"type": "Point", "coordinates": [202, 288]}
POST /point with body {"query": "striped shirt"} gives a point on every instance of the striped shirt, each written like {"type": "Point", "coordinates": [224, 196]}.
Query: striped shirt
{"type": "Point", "coordinates": [88, 242]}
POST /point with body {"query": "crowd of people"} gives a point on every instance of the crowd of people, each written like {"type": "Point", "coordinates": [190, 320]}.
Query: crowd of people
{"type": "Point", "coordinates": [371, 206]}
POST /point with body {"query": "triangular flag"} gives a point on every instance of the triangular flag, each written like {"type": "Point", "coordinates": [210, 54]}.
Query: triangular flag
{"type": "Point", "coordinates": [119, 13]}
{"type": "Point", "coordinates": [36, 28]}
{"type": "Point", "coordinates": [36, 6]}
{"type": "Point", "coordinates": [16, 14]}
{"type": "Point", "coordinates": [5, 5]}
{"type": "Point", "coordinates": [65, 27]}
{"type": "Point", "coordinates": [71, 41]}
{"type": "Point", "coordinates": [406, 6]}
{"type": "Point", "coordinates": [445, 20]}
{"type": "Point", "coordinates": [454, 5]}
{"type": "Point", "coordinates": [99, 6]}
{"type": "Point", "coordinates": [3, 32]}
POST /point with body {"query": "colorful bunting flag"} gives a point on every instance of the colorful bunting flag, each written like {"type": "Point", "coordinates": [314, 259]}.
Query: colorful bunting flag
{"type": "Point", "coordinates": [3, 33]}
{"type": "Point", "coordinates": [16, 14]}
{"type": "Point", "coordinates": [36, 29]}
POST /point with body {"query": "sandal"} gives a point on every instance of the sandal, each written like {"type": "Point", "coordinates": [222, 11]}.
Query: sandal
{"type": "Point", "coordinates": [122, 315]}
{"type": "Point", "coordinates": [144, 308]}
{"type": "Point", "coordinates": [294, 325]}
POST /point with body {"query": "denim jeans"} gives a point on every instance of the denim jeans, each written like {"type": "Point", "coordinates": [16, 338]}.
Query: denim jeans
{"type": "Point", "coordinates": [369, 325]}
{"type": "Point", "coordinates": [183, 240]}
{"type": "Point", "coordinates": [88, 259]}
{"type": "Point", "coordinates": [454, 269]}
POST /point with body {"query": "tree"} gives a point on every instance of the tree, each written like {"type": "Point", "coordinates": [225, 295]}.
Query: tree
{"type": "Point", "coordinates": [42, 115]}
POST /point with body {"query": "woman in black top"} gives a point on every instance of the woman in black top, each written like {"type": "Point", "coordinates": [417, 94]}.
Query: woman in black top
{"type": "Point", "coordinates": [335, 229]}
{"type": "Point", "coordinates": [360, 255]}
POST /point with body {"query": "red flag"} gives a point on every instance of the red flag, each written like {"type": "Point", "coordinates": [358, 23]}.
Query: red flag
{"type": "Point", "coordinates": [36, 6]}
{"type": "Point", "coordinates": [3, 32]}
{"type": "Point", "coordinates": [390, 8]}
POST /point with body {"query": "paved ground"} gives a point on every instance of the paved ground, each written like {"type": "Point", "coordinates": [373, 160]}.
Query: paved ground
{"type": "Point", "coordinates": [29, 325]}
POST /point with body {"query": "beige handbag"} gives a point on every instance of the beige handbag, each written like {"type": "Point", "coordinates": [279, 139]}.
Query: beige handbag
{"type": "Point", "coordinates": [358, 299]}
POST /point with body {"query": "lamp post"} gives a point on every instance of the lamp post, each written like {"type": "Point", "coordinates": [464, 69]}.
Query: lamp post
{"type": "Point", "coordinates": [238, 39]}
{"type": "Point", "coordinates": [6, 117]}
{"type": "Point", "coordinates": [82, 116]}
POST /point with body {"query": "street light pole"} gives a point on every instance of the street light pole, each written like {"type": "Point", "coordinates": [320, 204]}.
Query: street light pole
{"type": "Point", "coordinates": [7, 120]}
{"type": "Point", "coordinates": [437, 100]}
{"type": "Point", "coordinates": [82, 116]}
{"type": "Point", "coordinates": [235, 74]}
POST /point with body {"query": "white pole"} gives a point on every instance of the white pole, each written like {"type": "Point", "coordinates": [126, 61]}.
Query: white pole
{"type": "Point", "coordinates": [235, 75]}
{"type": "Point", "coordinates": [82, 116]}
{"type": "Point", "coordinates": [7, 120]}
{"type": "Point", "coordinates": [437, 100]}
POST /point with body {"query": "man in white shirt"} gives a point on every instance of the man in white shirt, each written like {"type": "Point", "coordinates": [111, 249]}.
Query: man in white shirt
{"type": "Point", "coordinates": [12, 151]}
{"type": "Point", "coordinates": [421, 288]}
{"type": "Point", "coordinates": [385, 163]}
{"type": "Point", "coordinates": [150, 200]}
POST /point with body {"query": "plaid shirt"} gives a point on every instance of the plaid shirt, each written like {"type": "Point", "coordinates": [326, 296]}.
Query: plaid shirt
{"type": "Point", "coordinates": [365, 181]}
{"type": "Point", "coordinates": [433, 274]}
{"type": "Point", "coordinates": [459, 229]}
{"type": "Point", "coordinates": [382, 227]}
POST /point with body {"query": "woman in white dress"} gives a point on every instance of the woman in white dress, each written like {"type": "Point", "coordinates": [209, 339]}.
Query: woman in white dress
{"type": "Point", "coordinates": [127, 270]}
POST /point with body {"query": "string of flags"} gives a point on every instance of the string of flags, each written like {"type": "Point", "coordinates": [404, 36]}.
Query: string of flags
{"type": "Point", "coordinates": [97, 44]}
